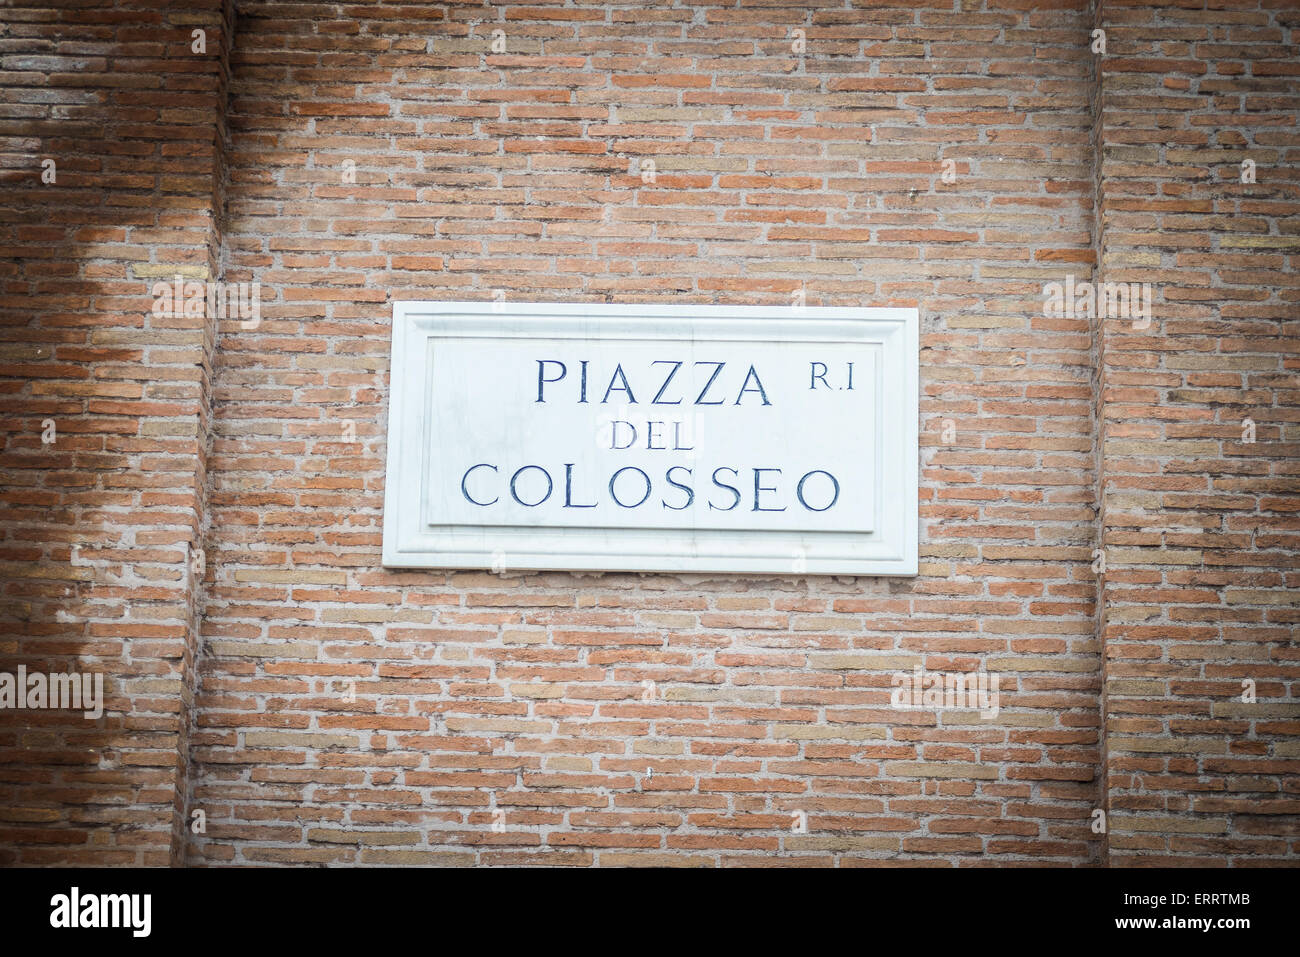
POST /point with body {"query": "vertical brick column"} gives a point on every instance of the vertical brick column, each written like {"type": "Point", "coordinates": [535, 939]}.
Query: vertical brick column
{"type": "Point", "coordinates": [98, 527]}
{"type": "Point", "coordinates": [1198, 434]}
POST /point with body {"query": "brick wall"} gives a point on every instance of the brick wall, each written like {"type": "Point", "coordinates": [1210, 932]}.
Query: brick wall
{"type": "Point", "coordinates": [349, 714]}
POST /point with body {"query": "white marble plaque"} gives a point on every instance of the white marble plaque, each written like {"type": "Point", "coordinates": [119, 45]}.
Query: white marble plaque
{"type": "Point", "coordinates": [653, 438]}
